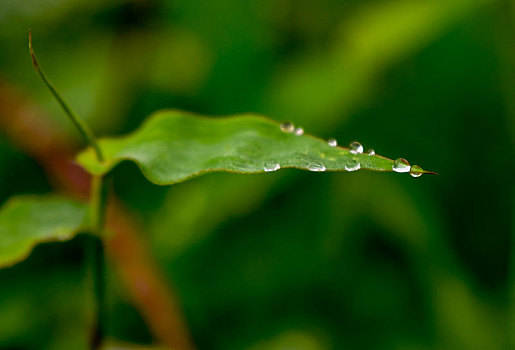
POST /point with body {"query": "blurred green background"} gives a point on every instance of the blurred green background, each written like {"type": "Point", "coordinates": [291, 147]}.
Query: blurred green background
{"type": "Point", "coordinates": [290, 260]}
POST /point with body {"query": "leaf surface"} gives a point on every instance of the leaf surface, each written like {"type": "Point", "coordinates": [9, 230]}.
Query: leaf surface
{"type": "Point", "coordinates": [26, 221]}
{"type": "Point", "coordinates": [175, 145]}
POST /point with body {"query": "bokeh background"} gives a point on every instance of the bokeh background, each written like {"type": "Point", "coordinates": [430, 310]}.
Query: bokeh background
{"type": "Point", "coordinates": [289, 260]}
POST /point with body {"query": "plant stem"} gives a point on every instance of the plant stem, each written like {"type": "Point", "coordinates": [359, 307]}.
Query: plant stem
{"type": "Point", "coordinates": [97, 203]}
{"type": "Point", "coordinates": [97, 257]}
{"type": "Point", "coordinates": [98, 200]}
{"type": "Point", "coordinates": [82, 127]}
{"type": "Point", "coordinates": [96, 253]}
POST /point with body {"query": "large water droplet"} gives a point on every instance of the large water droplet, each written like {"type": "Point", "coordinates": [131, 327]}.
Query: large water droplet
{"type": "Point", "coordinates": [287, 127]}
{"type": "Point", "coordinates": [298, 131]}
{"type": "Point", "coordinates": [271, 165]}
{"type": "Point", "coordinates": [416, 171]}
{"type": "Point", "coordinates": [352, 165]}
{"type": "Point", "coordinates": [371, 152]}
{"type": "Point", "coordinates": [355, 148]}
{"type": "Point", "coordinates": [315, 167]}
{"type": "Point", "coordinates": [332, 142]}
{"type": "Point", "coordinates": [401, 165]}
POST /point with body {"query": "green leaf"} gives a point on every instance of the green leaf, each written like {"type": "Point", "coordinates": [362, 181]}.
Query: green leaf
{"type": "Point", "coordinates": [29, 220]}
{"type": "Point", "coordinates": [175, 145]}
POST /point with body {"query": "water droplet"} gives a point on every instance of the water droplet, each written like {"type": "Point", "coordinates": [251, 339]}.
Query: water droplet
{"type": "Point", "coordinates": [416, 171]}
{"type": "Point", "coordinates": [352, 165]}
{"type": "Point", "coordinates": [271, 165]}
{"type": "Point", "coordinates": [355, 148]}
{"type": "Point", "coordinates": [287, 127]}
{"type": "Point", "coordinates": [315, 167]}
{"type": "Point", "coordinates": [371, 152]}
{"type": "Point", "coordinates": [401, 165]}
{"type": "Point", "coordinates": [298, 131]}
{"type": "Point", "coordinates": [332, 142]}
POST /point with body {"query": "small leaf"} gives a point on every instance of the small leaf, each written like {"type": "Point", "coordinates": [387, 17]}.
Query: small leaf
{"type": "Point", "coordinates": [174, 145]}
{"type": "Point", "coordinates": [29, 220]}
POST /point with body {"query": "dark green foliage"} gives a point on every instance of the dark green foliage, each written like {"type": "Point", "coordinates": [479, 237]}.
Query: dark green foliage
{"type": "Point", "coordinates": [313, 261]}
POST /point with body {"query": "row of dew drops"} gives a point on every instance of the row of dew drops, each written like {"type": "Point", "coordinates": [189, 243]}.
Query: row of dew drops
{"type": "Point", "coordinates": [400, 165]}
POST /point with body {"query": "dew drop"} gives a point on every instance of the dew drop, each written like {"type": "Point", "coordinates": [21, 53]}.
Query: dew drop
{"type": "Point", "coordinates": [315, 167]}
{"type": "Point", "coordinates": [287, 127]}
{"type": "Point", "coordinates": [352, 165]}
{"type": "Point", "coordinates": [271, 165]}
{"type": "Point", "coordinates": [416, 171]}
{"type": "Point", "coordinates": [401, 165]}
{"type": "Point", "coordinates": [371, 152]}
{"type": "Point", "coordinates": [355, 148]}
{"type": "Point", "coordinates": [298, 131]}
{"type": "Point", "coordinates": [332, 142]}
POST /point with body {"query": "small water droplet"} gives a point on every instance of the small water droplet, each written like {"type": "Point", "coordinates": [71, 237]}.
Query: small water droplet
{"type": "Point", "coordinates": [416, 171]}
{"type": "Point", "coordinates": [287, 127]}
{"type": "Point", "coordinates": [315, 167]}
{"type": "Point", "coordinates": [352, 165]}
{"type": "Point", "coordinates": [401, 165]}
{"type": "Point", "coordinates": [271, 165]}
{"type": "Point", "coordinates": [332, 142]}
{"type": "Point", "coordinates": [298, 131]}
{"type": "Point", "coordinates": [355, 148]}
{"type": "Point", "coordinates": [371, 152]}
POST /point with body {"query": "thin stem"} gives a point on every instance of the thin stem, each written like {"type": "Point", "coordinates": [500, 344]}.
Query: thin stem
{"type": "Point", "coordinates": [97, 261]}
{"type": "Point", "coordinates": [83, 128]}
{"type": "Point", "coordinates": [97, 210]}
{"type": "Point", "coordinates": [97, 204]}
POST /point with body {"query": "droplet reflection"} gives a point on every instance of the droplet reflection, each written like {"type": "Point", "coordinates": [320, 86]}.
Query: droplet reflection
{"type": "Point", "coordinates": [401, 165]}
{"type": "Point", "coordinates": [271, 165]}
{"type": "Point", "coordinates": [416, 171]}
{"type": "Point", "coordinates": [355, 148]}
